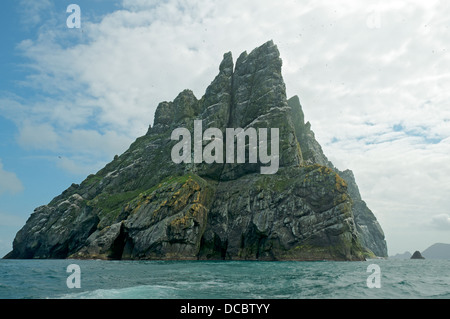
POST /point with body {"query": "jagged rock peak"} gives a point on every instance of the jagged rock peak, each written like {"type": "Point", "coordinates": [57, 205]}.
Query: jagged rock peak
{"type": "Point", "coordinates": [227, 64]}
{"type": "Point", "coordinates": [143, 205]}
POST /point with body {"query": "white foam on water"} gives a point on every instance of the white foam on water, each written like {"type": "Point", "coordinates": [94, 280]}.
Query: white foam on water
{"type": "Point", "coordinates": [137, 292]}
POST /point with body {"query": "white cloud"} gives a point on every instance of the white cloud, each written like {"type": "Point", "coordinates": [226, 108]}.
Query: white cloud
{"type": "Point", "coordinates": [11, 220]}
{"type": "Point", "coordinates": [9, 183]}
{"type": "Point", "coordinates": [9, 225]}
{"type": "Point", "coordinates": [80, 165]}
{"type": "Point", "coordinates": [78, 141]}
{"type": "Point", "coordinates": [37, 136]}
{"type": "Point", "coordinates": [31, 11]}
{"type": "Point", "coordinates": [81, 151]}
{"type": "Point", "coordinates": [356, 83]}
{"type": "Point", "coordinates": [441, 221]}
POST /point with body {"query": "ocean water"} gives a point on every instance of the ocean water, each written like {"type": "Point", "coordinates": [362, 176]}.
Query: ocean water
{"type": "Point", "coordinates": [47, 279]}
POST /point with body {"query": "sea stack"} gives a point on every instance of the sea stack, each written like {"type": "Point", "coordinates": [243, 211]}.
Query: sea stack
{"type": "Point", "coordinates": [417, 255]}
{"type": "Point", "coordinates": [143, 205]}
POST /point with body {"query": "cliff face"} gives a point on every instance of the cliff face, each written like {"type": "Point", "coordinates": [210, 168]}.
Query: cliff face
{"type": "Point", "coordinates": [144, 206]}
{"type": "Point", "coordinates": [369, 230]}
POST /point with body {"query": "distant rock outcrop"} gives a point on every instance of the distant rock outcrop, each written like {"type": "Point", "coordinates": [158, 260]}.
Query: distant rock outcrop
{"type": "Point", "coordinates": [405, 255]}
{"type": "Point", "coordinates": [417, 255]}
{"type": "Point", "coordinates": [142, 205]}
{"type": "Point", "coordinates": [437, 251]}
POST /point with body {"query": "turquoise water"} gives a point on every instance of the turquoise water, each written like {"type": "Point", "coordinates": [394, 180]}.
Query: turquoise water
{"type": "Point", "coordinates": [34, 279]}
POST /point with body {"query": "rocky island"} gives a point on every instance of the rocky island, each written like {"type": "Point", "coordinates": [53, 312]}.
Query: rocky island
{"type": "Point", "coordinates": [417, 255]}
{"type": "Point", "coordinates": [143, 205]}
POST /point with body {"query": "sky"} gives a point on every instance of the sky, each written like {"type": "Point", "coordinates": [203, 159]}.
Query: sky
{"type": "Point", "coordinates": [373, 79]}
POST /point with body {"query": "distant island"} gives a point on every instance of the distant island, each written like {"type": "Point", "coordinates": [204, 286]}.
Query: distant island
{"type": "Point", "coordinates": [417, 255]}
{"type": "Point", "coordinates": [405, 255]}
{"type": "Point", "coordinates": [435, 251]}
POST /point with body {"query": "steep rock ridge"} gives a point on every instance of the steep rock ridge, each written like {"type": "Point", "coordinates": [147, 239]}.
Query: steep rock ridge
{"type": "Point", "coordinates": [370, 231]}
{"type": "Point", "coordinates": [144, 206]}
{"type": "Point", "coordinates": [259, 101]}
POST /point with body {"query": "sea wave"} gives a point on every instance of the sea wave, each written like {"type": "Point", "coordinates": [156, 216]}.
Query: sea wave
{"type": "Point", "coordinates": [399, 279]}
{"type": "Point", "coordinates": [137, 292]}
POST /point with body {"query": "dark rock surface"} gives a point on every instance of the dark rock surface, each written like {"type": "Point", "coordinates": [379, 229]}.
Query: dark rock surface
{"type": "Point", "coordinates": [370, 231]}
{"type": "Point", "coordinates": [144, 206]}
{"type": "Point", "coordinates": [417, 255]}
